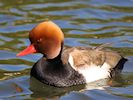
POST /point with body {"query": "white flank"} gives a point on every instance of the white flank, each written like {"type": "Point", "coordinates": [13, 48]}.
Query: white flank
{"type": "Point", "coordinates": [92, 72]}
{"type": "Point", "coordinates": [70, 60]}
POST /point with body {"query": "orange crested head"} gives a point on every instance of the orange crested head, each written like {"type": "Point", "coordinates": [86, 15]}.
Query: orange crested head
{"type": "Point", "coordinates": [46, 38]}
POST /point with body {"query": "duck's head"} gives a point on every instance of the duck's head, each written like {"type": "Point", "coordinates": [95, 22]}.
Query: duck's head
{"type": "Point", "coordinates": [46, 38]}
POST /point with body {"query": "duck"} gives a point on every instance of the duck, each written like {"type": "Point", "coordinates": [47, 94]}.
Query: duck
{"type": "Point", "coordinates": [63, 66]}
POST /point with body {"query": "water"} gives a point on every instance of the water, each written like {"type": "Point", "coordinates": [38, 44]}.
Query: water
{"type": "Point", "coordinates": [85, 23]}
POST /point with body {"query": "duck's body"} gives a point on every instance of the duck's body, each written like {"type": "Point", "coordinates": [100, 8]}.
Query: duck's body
{"type": "Point", "coordinates": [72, 65]}
{"type": "Point", "coordinates": [78, 65]}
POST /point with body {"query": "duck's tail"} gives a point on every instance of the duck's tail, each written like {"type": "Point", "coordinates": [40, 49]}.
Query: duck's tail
{"type": "Point", "coordinates": [117, 70]}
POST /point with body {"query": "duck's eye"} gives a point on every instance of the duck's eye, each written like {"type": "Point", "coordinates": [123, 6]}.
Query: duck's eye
{"type": "Point", "coordinates": [39, 40]}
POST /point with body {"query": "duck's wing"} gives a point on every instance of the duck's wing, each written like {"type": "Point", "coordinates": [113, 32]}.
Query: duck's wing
{"type": "Point", "coordinates": [114, 59]}
{"type": "Point", "coordinates": [93, 63]}
{"type": "Point", "coordinates": [100, 47]}
{"type": "Point", "coordinates": [79, 57]}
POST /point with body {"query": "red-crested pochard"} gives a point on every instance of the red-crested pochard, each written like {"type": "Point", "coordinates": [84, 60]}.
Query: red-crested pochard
{"type": "Point", "coordinates": [69, 66]}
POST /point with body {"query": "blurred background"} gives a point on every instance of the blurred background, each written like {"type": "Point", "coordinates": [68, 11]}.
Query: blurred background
{"type": "Point", "coordinates": [84, 23]}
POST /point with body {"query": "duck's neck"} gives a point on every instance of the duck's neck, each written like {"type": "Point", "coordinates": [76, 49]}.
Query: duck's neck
{"type": "Point", "coordinates": [58, 58]}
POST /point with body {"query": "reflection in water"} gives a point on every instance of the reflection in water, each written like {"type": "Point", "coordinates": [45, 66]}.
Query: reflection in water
{"type": "Point", "coordinates": [85, 23]}
{"type": "Point", "coordinates": [30, 88]}
{"type": "Point", "coordinates": [41, 90]}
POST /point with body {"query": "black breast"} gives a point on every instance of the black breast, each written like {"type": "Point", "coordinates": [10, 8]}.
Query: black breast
{"type": "Point", "coordinates": [53, 72]}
